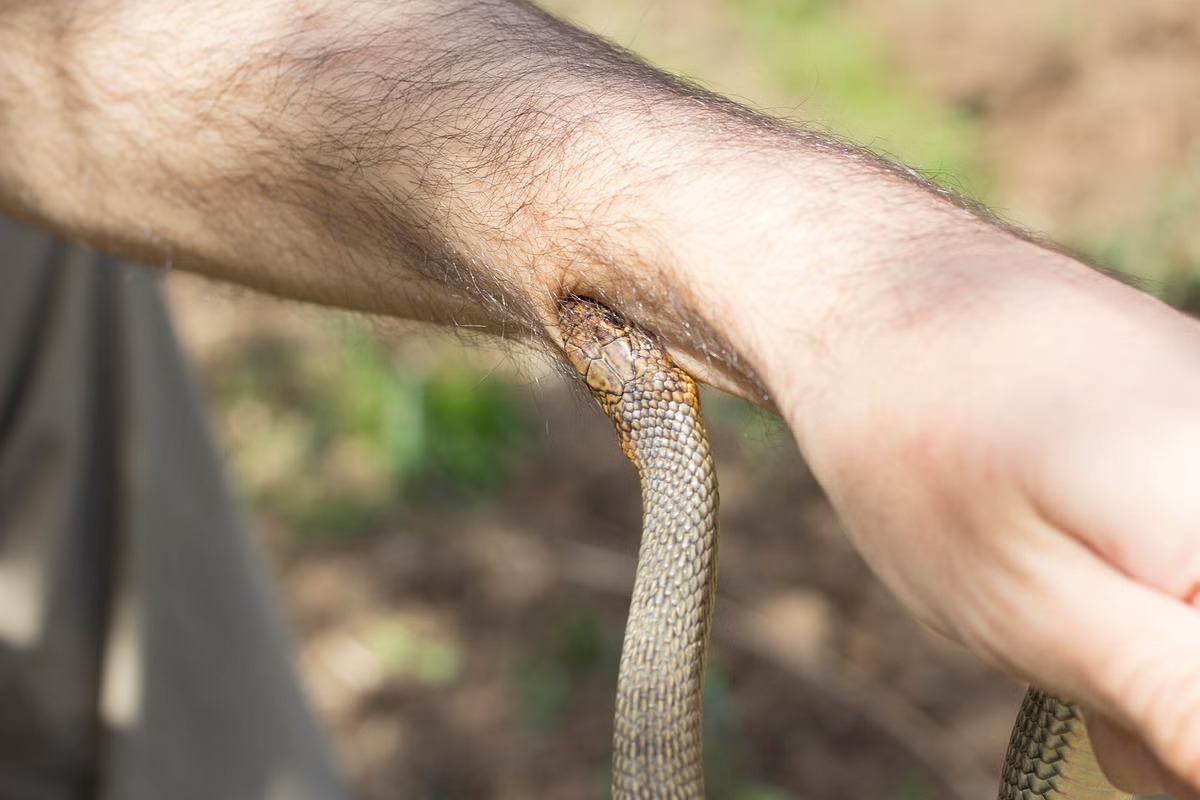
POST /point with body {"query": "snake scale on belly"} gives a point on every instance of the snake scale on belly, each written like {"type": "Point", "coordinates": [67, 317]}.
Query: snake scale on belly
{"type": "Point", "coordinates": [657, 736]}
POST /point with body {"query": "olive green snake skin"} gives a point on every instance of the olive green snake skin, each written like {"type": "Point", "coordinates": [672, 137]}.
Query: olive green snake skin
{"type": "Point", "coordinates": [657, 735]}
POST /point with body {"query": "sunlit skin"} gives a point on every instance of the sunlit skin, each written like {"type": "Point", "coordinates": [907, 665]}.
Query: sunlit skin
{"type": "Point", "coordinates": [1011, 439]}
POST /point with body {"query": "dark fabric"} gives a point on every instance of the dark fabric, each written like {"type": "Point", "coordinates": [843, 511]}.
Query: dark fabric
{"type": "Point", "coordinates": [141, 655]}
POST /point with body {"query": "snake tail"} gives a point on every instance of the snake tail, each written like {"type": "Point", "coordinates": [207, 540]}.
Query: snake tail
{"type": "Point", "coordinates": [654, 405]}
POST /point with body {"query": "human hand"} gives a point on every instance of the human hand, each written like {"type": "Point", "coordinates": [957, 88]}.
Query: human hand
{"type": "Point", "coordinates": [1017, 454]}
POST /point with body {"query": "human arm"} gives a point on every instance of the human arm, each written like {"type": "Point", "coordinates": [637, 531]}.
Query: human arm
{"type": "Point", "coordinates": [465, 162]}
{"type": "Point", "coordinates": [997, 424]}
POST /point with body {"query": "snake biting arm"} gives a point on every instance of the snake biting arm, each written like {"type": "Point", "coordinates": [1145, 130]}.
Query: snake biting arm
{"type": "Point", "coordinates": [1011, 438]}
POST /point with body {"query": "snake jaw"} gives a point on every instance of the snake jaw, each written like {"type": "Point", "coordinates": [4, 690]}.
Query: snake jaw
{"type": "Point", "coordinates": [620, 362]}
{"type": "Point", "coordinates": [601, 347]}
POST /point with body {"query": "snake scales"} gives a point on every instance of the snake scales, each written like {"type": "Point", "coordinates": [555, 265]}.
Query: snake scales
{"type": "Point", "coordinates": [657, 736]}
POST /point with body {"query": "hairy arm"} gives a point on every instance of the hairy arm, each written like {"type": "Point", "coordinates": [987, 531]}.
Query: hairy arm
{"type": "Point", "coordinates": [465, 161]}
{"type": "Point", "coordinates": [1011, 438]}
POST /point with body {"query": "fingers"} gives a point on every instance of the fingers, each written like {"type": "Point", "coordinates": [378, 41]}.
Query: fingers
{"type": "Point", "coordinates": [1125, 590]}
{"type": "Point", "coordinates": [1128, 765]}
{"type": "Point", "coordinates": [1132, 496]}
{"type": "Point", "coordinates": [1126, 762]}
{"type": "Point", "coordinates": [1129, 652]}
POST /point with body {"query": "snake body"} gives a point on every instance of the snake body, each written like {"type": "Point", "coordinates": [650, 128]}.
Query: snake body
{"type": "Point", "coordinates": [657, 734]}
{"type": "Point", "coordinates": [1049, 754]}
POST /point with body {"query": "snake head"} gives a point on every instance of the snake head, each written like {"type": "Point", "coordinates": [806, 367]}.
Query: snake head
{"type": "Point", "coordinates": [627, 370]}
{"type": "Point", "coordinates": [601, 347]}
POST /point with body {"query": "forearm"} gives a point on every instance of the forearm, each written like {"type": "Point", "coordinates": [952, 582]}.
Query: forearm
{"type": "Point", "coordinates": [337, 156]}
{"type": "Point", "coordinates": [465, 162]}
{"type": "Point", "coordinates": [259, 142]}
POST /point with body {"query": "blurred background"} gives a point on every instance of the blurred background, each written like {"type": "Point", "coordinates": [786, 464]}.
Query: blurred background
{"type": "Point", "coordinates": [454, 529]}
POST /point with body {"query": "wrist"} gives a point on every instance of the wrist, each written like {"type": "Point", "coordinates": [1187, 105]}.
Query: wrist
{"type": "Point", "coordinates": [850, 284]}
{"type": "Point", "coordinates": [955, 364]}
{"type": "Point", "coordinates": [783, 261]}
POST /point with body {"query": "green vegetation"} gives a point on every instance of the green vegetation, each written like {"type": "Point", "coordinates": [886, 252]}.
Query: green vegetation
{"type": "Point", "coordinates": [763, 793]}
{"type": "Point", "coordinates": [404, 652]}
{"type": "Point", "coordinates": [1161, 247]}
{"type": "Point", "coordinates": [578, 646]}
{"type": "Point", "coordinates": [917, 787]}
{"type": "Point", "coordinates": [816, 52]}
{"type": "Point", "coordinates": [331, 442]}
{"type": "Point", "coordinates": [763, 436]}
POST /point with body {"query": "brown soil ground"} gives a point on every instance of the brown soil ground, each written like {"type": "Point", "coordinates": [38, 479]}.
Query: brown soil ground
{"type": "Point", "coordinates": [824, 688]}
{"type": "Point", "coordinates": [1090, 108]}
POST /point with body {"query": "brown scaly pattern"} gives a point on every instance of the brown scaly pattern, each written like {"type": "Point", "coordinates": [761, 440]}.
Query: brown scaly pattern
{"type": "Point", "coordinates": [657, 737]}
{"type": "Point", "coordinates": [1049, 755]}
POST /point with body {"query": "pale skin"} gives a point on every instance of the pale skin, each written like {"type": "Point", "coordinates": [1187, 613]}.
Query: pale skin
{"type": "Point", "coordinates": [1011, 438]}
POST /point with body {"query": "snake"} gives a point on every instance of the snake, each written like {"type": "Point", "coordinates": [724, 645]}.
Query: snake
{"type": "Point", "coordinates": [658, 740]}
